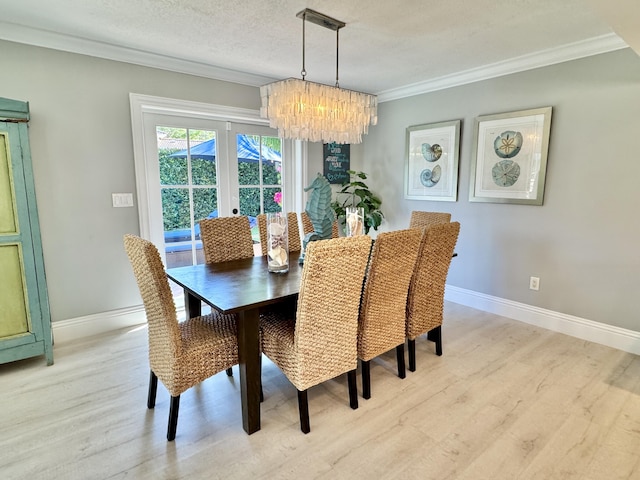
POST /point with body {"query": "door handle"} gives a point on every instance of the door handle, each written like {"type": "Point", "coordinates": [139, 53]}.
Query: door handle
{"type": "Point", "coordinates": [234, 211]}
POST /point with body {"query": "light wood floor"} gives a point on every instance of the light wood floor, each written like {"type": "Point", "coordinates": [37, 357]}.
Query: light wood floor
{"type": "Point", "coordinates": [506, 401]}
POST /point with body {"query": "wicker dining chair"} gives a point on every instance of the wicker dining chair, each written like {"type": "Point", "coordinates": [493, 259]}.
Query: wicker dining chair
{"type": "Point", "coordinates": [295, 243]}
{"type": "Point", "coordinates": [381, 325]}
{"type": "Point", "coordinates": [226, 238]}
{"type": "Point", "coordinates": [181, 354]}
{"type": "Point", "coordinates": [319, 341]}
{"type": "Point", "coordinates": [420, 219]}
{"type": "Point", "coordinates": [307, 226]}
{"type": "Point", "coordinates": [425, 302]}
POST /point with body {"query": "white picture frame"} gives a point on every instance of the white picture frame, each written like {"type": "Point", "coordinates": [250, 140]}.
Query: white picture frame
{"type": "Point", "coordinates": [509, 161]}
{"type": "Point", "coordinates": [431, 166]}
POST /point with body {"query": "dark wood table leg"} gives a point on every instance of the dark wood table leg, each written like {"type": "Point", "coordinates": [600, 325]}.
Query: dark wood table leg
{"type": "Point", "coordinates": [192, 305]}
{"type": "Point", "coordinates": [249, 356]}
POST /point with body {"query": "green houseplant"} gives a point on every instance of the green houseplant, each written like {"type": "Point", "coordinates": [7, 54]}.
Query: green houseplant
{"type": "Point", "coordinates": [356, 193]}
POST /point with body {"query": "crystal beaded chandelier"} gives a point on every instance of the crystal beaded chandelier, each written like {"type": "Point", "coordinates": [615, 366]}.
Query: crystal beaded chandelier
{"type": "Point", "coordinates": [304, 110]}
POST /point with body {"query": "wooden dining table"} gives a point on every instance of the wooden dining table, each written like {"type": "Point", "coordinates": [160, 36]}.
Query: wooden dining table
{"type": "Point", "coordinates": [241, 287]}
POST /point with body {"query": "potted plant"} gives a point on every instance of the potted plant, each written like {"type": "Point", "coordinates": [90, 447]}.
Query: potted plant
{"type": "Point", "coordinates": [356, 193]}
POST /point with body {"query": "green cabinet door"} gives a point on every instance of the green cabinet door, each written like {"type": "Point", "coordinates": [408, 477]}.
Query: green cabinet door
{"type": "Point", "coordinates": [25, 322]}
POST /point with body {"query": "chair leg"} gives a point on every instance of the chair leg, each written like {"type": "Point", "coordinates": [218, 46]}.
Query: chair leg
{"type": "Point", "coordinates": [412, 355]}
{"type": "Point", "coordinates": [435, 335]}
{"type": "Point", "coordinates": [303, 408]}
{"type": "Point", "coordinates": [229, 372]}
{"type": "Point", "coordinates": [353, 389]}
{"type": "Point", "coordinates": [400, 357]}
{"type": "Point", "coordinates": [153, 388]}
{"type": "Point", "coordinates": [173, 418]}
{"type": "Point", "coordinates": [366, 378]}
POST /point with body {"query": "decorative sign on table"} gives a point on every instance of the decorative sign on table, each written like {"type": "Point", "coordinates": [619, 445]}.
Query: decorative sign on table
{"type": "Point", "coordinates": [336, 162]}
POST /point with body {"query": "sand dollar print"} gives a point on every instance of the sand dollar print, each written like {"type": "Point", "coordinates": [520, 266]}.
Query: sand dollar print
{"type": "Point", "coordinates": [508, 144]}
{"type": "Point", "coordinates": [505, 173]}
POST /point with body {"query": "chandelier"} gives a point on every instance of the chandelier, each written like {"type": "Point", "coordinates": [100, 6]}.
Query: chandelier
{"type": "Point", "coordinates": [304, 110]}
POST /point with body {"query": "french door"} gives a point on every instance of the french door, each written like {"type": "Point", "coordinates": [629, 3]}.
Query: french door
{"type": "Point", "coordinates": [206, 173]}
{"type": "Point", "coordinates": [195, 165]}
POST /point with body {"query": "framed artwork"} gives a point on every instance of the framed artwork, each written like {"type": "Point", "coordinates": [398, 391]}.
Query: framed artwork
{"type": "Point", "coordinates": [509, 162]}
{"type": "Point", "coordinates": [431, 169]}
{"type": "Point", "coordinates": [337, 161]}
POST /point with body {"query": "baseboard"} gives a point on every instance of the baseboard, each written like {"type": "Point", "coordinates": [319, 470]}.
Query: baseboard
{"type": "Point", "coordinates": [80, 327]}
{"type": "Point", "coordinates": [611, 336]}
{"type": "Point", "coordinates": [615, 337]}
{"type": "Point", "coordinates": [89, 325]}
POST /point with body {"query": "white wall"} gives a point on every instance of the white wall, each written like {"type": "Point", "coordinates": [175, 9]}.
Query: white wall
{"type": "Point", "coordinates": [584, 242]}
{"type": "Point", "coordinates": [81, 146]}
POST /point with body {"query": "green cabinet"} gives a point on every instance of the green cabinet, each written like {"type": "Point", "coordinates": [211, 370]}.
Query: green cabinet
{"type": "Point", "coordinates": [25, 321]}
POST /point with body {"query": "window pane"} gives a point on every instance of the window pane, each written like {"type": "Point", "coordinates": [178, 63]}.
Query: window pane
{"type": "Point", "coordinates": [271, 204]}
{"type": "Point", "coordinates": [203, 171]}
{"type": "Point", "coordinates": [199, 253]}
{"type": "Point", "coordinates": [175, 214]}
{"type": "Point", "coordinates": [248, 150]}
{"type": "Point", "coordinates": [248, 173]}
{"type": "Point", "coordinates": [205, 204]}
{"type": "Point", "coordinates": [172, 155]}
{"type": "Point", "coordinates": [179, 256]}
{"type": "Point", "coordinates": [250, 201]}
{"type": "Point", "coordinates": [271, 152]}
{"type": "Point", "coordinates": [203, 157]}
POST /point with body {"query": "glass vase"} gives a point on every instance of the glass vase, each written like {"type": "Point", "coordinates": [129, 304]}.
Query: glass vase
{"type": "Point", "coordinates": [277, 243]}
{"type": "Point", "coordinates": [354, 221]}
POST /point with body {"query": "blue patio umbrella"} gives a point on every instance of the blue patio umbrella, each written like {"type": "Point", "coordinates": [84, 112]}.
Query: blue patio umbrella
{"type": "Point", "coordinates": [248, 151]}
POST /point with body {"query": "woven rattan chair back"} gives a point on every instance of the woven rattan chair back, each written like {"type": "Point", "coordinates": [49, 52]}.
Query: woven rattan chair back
{"type": "Point", "coordinates": [425, 302]}
{"type": "Point", "coordinates": [384, 300]}
{"type": "Point", "coordinates": [165, 344]}
{"type": "Point", "coordinates": [326, 327]}
{"type": "Point", "coordinates": [295, 243]}
{"type": "Point", "coordinates": [262, 230]}
{"type": "Point", "coordinates": [421, 219]}
{"type": "Point", "coordinates": [226, 238]}
{"type": "Point", "coordinates": [307, 226]}
{"type": "Point", "coordinates": [381, 326]}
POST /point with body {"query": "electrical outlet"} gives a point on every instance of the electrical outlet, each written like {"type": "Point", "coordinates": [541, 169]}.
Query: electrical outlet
{"type": "Point", "coordinates": [534, 283]}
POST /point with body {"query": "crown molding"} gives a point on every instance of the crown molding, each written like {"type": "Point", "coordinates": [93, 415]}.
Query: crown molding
{"type": "Point", "coordinates": [43, 38]}
{"type": "Point", "coordinates": [565, 53]}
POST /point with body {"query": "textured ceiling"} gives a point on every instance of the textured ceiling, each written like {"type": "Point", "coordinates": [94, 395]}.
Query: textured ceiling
{"type": "Point", "coordinates": [385, 45]}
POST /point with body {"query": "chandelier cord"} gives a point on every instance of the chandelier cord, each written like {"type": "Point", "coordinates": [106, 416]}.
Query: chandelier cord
{"type": "Point", "coordinates": [304, 70]}
{"type": "Point", "coordinates": [337, 55]}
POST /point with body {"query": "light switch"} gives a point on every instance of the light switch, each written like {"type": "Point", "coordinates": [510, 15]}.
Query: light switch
{"type": "Point", "coordinates": [122, 199]}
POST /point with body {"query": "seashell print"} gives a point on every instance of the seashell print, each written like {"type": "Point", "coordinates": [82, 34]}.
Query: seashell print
{"type": "Point", "coordinates": [430, 177]}
{"type": "Point", "coordinates": [431, 153]}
